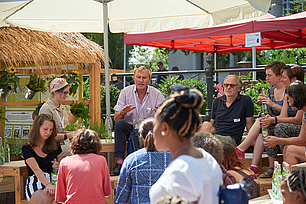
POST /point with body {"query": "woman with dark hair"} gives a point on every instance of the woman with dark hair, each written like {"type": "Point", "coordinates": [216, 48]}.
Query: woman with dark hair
{"type": "Point", "coordinates": [141, 169]}
{"type": "Point", "coordinates": [234, 166]}
{"type": "Point", "coordinates": [287, 124]}
{"type": "Point", "coordinates": [38, 154]}
{"type": "Point", "coordinates": [84, 176]}
{"type": "Point", "coordinates": [293, 187]}
{"type": "Point", "coordinates": [59, 89]}
{"type": "Point", "coordinates": [193, 174]}
{"type": "Point", "coordinates": [274, 100]}
{"type": "Point", "coordinates": [294, 151]}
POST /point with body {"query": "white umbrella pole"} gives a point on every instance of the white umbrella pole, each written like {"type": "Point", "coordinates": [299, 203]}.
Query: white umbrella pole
{"type": "Point", "coordinates": [105, 28]}
{"type": "Point", "coordinates": [254, 62]}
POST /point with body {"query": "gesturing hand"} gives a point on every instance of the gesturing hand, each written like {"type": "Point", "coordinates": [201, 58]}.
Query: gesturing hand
{"type": "Point", "coordinates": [128, 108]}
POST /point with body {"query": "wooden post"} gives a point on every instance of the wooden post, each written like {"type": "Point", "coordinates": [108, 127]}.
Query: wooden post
{"type": "Point", "coordinates": [94, 92]}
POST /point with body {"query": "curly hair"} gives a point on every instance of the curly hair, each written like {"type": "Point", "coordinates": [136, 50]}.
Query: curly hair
{"type": "Point", "coordinates": [296, 180]}
{"type": "Point", "coordinates": [86, 142]}
{"type": "Point", "coordinates": [210, 144]}
{"type": "Point", "coordinates": [297, 91]}
{"type": "Point", "coordinates": [180, 110]}
{"type": "Point", "coordinates": [34, 136]}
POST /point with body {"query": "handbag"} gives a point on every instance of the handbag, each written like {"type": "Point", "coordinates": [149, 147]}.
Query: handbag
{"type": "Point", "coordinates": [234, 194]}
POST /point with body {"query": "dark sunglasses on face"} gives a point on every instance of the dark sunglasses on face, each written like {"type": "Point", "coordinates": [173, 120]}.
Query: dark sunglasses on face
{"type": "Point", "coordinates": [65, 92]}
{"type": "Point", "coordinates": [229, 85]}
{"type": "Point", "coordinates": [143, 65]}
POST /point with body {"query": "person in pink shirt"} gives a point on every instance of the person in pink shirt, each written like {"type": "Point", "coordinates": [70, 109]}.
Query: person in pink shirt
{"type": "Point", "coordinates": [83, 177]}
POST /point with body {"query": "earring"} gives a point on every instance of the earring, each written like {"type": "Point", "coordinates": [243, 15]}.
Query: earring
{"type": "Point", "coordinates": [162, 133]}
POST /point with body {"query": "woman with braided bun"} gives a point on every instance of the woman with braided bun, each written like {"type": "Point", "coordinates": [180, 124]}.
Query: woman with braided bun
{"type": "Point", "coordinates": [193, 173]}
{"type": "Point", "coordinates": [293, 187]}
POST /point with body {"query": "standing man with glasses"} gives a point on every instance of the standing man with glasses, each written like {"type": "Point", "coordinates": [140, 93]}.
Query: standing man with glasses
{"type": "Point", "coordinates": [160, 78]}
{"type": "Point", "coordinates": [232, 112]}
{"type": "Point", "coordinates": [135, 103]}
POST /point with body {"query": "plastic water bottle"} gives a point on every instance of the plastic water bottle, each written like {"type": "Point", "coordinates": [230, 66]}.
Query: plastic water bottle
{"type": "Point", "coordinates": [263, 105]}
{"type": "Point", "coordinates": [109, 128]}
{"type": "Point", "coordinates": [54, 174]}
{"type": "Point", "coordinates": [264, 130]}
{"type": "Point", "coordinates": [7, 151]}
{"type": "Point", "coordinates": [2, 153]}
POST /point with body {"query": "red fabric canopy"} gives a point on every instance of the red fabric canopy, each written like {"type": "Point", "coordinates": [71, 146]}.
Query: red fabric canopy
{"type": "Point", "coordinates": [277, 33]}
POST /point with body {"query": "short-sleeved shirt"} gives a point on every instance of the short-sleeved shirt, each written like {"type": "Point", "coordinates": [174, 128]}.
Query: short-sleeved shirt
{"type": "Point", "coordinates": [44, 163]}
{"type": "Point", "coordinates": [57, 113]}
{"type": "Point", "coordinates": [231, 121]}
{"type": "Point", "coordinates": [140, 170]}
{"type": "Point", "coordinates": [195, 179]}
{"type": "Point", "coordinates": [129, 95]}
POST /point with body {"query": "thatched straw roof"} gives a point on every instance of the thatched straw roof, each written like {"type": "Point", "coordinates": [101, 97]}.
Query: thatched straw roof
{"type": "Point", "coordinates": [19, 46]}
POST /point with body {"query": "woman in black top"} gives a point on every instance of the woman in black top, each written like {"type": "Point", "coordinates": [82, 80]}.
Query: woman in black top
{"type": "Point", "coordinates": [38, 154]}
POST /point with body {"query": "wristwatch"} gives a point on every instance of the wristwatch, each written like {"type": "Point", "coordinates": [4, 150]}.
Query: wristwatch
{"type": "Point", "coordinates": [122, 114]}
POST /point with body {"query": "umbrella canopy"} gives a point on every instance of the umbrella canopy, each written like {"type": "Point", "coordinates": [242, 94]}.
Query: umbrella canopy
{"type": "Point", "coordinates": [126, 15]}
{"type": "Point", "coordinates": [277, 33]}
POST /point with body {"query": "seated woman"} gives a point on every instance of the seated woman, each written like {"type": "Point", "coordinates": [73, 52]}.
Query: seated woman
{"type": "Point", "coordinates": [235, 167]}
{"type": "Point", "coordinates": [193, 174]}
{"type": "Point", "coordinates": [287, 128]}
{"type": "Point", "coordinates": [38, 154]}
{"type": "Point", "coordinates": [294, 151]}
{"type": "Point", "coordinates": [84, 176]}
{"type": "Point", "coordinates": [213, 146]}
{"type": "Point", "coordinates": [141, 169]}
{"type": "Point", "coordinates": [274, 100]}
{"type": "Point", "coordinates": [293, 187]}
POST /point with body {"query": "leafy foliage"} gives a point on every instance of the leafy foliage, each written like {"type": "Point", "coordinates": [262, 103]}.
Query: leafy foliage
{"type": "Point", "coordinates": [16, 148]}
{"type": "Point", "coordinates": [288, 56]}
{"type": "Point", "coordinates": [253, 89]}
{"type": "Point", "coordinates": [114, 95]}
{"type": "Point", "coordinates": [72, 78]}
{"type": "Point", "coordinates": [71, 127]}
{"type": "Point", "coordinates": [100, 129]}
{"type": "Point", "coordinates": [81, 110]}
{"type": "Point", "coordinates": [165, 88]}
{"type": "Point", "coordinates": [8, 78]}
{"type": "Point", "coordinates": [2, 113]}
{"type": "Point", "coordinates": [37, 83]}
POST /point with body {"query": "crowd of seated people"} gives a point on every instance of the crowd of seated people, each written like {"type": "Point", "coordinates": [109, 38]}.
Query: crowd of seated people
{"type": "Point", "coordinates": [182, 159]}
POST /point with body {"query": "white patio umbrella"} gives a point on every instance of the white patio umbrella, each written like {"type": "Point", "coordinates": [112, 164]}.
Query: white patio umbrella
{"type": "Point", "coordinates": [125, 16]}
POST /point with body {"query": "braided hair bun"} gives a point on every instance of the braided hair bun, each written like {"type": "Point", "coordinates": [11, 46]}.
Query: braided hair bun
{"type": "Point", "coordinates": [180, 110]}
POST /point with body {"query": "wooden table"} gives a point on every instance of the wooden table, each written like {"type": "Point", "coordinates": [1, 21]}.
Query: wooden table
{"type": "Point", "coordinates": [109, 148]}
{"type": "Point", "coordinates": [261, 200]}
{"type": "Point", "coordinates": [18, 169]}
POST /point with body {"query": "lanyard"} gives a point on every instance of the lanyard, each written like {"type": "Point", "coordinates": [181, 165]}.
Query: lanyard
{"type": "Point", "coordinates": [61, 119]}
{"type": "Point", "coordinates": [143, 102]}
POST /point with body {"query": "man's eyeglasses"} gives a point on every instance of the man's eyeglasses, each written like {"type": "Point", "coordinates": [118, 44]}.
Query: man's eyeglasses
{"type": "Point", "coordinates": [229, 85]}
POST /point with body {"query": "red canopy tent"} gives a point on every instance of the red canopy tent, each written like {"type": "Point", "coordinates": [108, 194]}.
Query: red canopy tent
{"type": "Point", "coordinates": [276, 33]}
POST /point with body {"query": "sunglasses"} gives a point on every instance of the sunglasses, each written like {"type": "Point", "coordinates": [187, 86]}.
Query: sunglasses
{"type": "Point", "coordinates": [65, 92]}
{"type": "Point", "coordinates": [143, 65]}
{"type": "Point", "coordinates": [229, 85]}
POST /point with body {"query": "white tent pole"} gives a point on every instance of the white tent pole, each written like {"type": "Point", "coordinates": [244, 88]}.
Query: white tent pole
{"type": "Point", "coordinates": [124, 63]}
{"type": "Point", "coordinates": [254, 62]}
{"type": "Point", "coordinates": [105, 28]}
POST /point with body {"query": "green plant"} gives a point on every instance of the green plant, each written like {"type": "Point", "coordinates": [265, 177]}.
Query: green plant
{"type": "Point", "coordinates": [253, 89]}
{"type": "Point", "coordinates": [8, 78]}
{"type": "Point", "coordinates": [99, 129]}
{"type": "Point", "coordinates": [37, 83]}
{"type": "Point", "coordinates": [2, 115]}
{"type": "Point", "coordinates": [72, 78]}
{"type": "Point", "coordinates": [36, 111]}
{"type": "Point", "coordinates": [71, 127]}
{"type": "Point", "coordinates": [165, 88]}
{"type": "Point", "coordinates": [16, 148]}
{"type": "Point", "coordinates": [114, 95]}
{"type": "Point", "coordinates": [81, 110]}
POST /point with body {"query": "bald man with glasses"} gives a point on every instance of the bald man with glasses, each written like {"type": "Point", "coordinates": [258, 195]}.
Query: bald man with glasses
{"type": "Point", "coordinates": [232, 112]}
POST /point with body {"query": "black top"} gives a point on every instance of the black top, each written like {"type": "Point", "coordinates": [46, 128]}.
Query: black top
{"type": "Point", "coordinates": [160, 78]}
{"type": "Point", "coordinates": [232, 120]}
{"type": "Point", "coordinates": [44, 163]}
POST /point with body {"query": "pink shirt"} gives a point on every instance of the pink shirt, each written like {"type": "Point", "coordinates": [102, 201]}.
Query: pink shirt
{"type": "Point", "coordinates": [129, 95]}
{"type": "Point", "coordinates": [83, 179]}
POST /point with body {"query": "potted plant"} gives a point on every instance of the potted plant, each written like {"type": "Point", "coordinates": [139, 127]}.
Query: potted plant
{"type": "Point", "coordinates": [16, 150]}
{"type": "Point", "coordinates": [100, 129]}
{"type": "Point", "coordinates": [8, 81]}
{"type": "Point", "coordinates": [36, 84]}
{"type": "Point", "coordinates": [79, 110]}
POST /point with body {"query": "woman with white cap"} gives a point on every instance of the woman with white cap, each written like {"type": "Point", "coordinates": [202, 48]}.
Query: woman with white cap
{"type": "Point", "coordinates": [59, 89]}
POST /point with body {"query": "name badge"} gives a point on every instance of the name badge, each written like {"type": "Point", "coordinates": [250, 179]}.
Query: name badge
{"type": "Point", "coordinates": [237, 120]}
